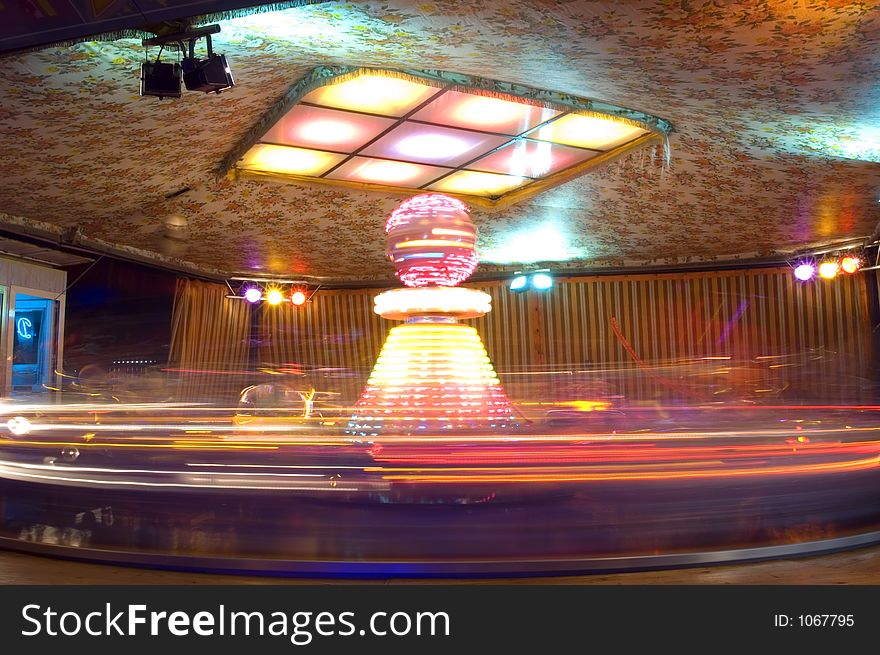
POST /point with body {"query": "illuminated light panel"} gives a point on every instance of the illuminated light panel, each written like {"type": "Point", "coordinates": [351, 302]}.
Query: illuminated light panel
{"type": "Point", "coordinates": [480, 184]}
{"type": "Point", "coordinates": [587, 132]}
{"type": "Point", "coordinates": [382, 171]}
{"type": "Point", "coordinates": [398, 304]}
{"type": "Point", "coordinates": [289, 160]}
{"type": "Point", "coordinates": [327, 129]}
{"type": "Point", "coordinates": [426, 144]}
{"type": "Point", "coordinates": [375, 94]}
{"type": "Point", "coordinates": [531, 159]}
{"type": "Point", "coordinates": [466, 110]}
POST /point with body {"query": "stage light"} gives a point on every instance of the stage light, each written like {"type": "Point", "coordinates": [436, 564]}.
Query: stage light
{"type": "Point", "coordinates": [209, 75]}
{"type": "Point", "coordinates": [850, 264]}
{"type": "Point", "coordinates": [542, 281]}
{"type": "Point", "coordinates": [253, 294]}
{"type": "Point", "coordinates": [804, 272]}
{"type": "Point", "coordinates": [828, 269]}
{"type": "Point", "coordinates": [298, 298]}
{"type": "Point", "coordinates": [160, 79]}
{"type": "Point", "coordinates": [519, 283]}
{"type": "Point", "coordinates": [274, 297]}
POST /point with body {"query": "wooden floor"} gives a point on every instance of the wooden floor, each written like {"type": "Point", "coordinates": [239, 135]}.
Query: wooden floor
{"type": "Point", "coordinates": [851, 567]}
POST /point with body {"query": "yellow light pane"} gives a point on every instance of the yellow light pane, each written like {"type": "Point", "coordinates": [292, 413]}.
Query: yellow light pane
{"type": "Point", "coordinates": [285, 159]}
{"type": "Point", "coordinates": [480, 184]}
{"type": "Point", "coordinates": [587, 132]}
{"type": "Point", "coordinates": [374, 94]}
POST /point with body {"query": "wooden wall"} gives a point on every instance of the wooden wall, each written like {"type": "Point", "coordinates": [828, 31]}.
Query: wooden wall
{"type": "Point", "coordinates": [700, 336]}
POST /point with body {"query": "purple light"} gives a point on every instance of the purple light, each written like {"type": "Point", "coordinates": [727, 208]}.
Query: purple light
{"type": "Point", "coordinates": [804, 272]}
{"type": "Point", "coordinates": [253, 295]}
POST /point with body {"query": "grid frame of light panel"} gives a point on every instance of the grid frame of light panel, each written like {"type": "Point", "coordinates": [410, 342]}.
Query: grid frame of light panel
{"type": "Point", "coordinates": [389, 132]}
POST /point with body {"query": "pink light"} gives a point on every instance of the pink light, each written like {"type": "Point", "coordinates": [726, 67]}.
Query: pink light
{"type": "Point", "coordinates": [330, 129]}
{"type": "Point", "coordinates": [447, 256]}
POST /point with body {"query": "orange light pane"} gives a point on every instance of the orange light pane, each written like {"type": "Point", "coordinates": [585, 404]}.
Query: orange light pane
{"type": "Point", "coordinates": [481, 184]}
{"type": "Point", "coordinates": [375, 94]}
{"type": "Point", "coordinates": [288, 160]}
{"type": "Point", "coordinates": [588, 132]}
{"type": "Point", "coordinates": [467, 110]}
{"type": "Point", "coordinates": [381, 171]}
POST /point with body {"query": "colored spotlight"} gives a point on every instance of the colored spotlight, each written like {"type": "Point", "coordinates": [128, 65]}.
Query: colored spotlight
{"type": "Point", "coordinates": [274, 297]}
{"type": "Point", "coordinates": [519, 283]}
{"type": "Point", "coordinates": [253, 295]}
{"type": "Point", "coordinates": [828, 270]}
{"type": "Point", "coordinates": [804, 272]}
{"type": "Point", "coordinates": [542, 281]}
{"type": "Point", "coordinates": [298, 298]}
{"type": "Point", "coordinates": [850, 264]}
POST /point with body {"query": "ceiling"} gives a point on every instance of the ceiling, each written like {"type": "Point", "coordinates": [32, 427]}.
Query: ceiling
{"type": "Point", "coordinates": [776, 146]}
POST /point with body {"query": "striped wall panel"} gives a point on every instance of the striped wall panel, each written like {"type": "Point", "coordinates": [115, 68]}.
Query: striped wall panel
{"type": "Point", "coordinates": [702, 336]}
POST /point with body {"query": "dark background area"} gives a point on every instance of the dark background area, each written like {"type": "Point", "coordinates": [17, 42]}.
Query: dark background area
{"type": "Point", "coordinates": [116, 311]}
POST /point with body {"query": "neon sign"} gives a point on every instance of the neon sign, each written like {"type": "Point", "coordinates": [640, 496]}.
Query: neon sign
{"type": "Point", "coordinates": [23, 327]}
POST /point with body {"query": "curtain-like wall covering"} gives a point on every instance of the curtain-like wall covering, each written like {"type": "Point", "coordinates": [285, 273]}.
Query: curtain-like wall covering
{"type": "Point", "coordinates": [739, 335]}
{"type": "Point", "coordinates": [210, 339]}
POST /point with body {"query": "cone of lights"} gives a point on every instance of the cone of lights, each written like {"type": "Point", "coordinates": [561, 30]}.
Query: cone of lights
{"type": "Point", "coordinates": [433, 374]}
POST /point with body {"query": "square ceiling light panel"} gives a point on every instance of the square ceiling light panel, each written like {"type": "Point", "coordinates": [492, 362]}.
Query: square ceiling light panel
{"type": "Point", "coordinates": [407, 132]}
{"type": "Point", "coordinates": [587, 132]}
{"type": "Point", "coordinates": [478, 184]}
{"type": "Point", "coordinates": [488, 114]}
{"type": "Point", "coordinates": [535, 159]}
{"type": "Point", "coordinates": [373, 94]}
{"type": "Point", "coordinates": [431, 144]}
{"type": "Point", "coordinates": [327, 129]}
{"type": "Point", "coordinates": [386, 172]}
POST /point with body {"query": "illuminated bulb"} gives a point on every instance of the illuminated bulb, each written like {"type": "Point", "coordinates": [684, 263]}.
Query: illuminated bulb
{"type": "Point", "coordinates": [828, 270]}
{"type": "Point", "coordinates": [518, 283]}
{"type": "Point", "coordinates": [298, 298]}
{"type": "Point", "coordinates": [850, 264]}
{"type": "Point", "coordinates": [804, 272]}
{"type": "Point", "coordinates": [253, 295]}
{"type": "Point", "coordinates": [542, 281]}
{"type": "Point", "coordinates": [274, 297]}
{"type": "Point", "coordinates": [18, 425]}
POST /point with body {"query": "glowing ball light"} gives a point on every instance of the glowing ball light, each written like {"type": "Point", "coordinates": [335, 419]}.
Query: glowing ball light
{"type": "Point", "coordinates": [432, 241]}
{"type": "Point", "coordinates": [274, 297]}
{"type": "Point", "coordinates": [804, 272]}
{"type": "Point", "coordinates": [253, 295]}
{"type": "Point", "coordinates": [850, 264]}
{"type": "Point", "coordinates": [298, 298]}
{"type": "Point", "coordinates": [829, 269]}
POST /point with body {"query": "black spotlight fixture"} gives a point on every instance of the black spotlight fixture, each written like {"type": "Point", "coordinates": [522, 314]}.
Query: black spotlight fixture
{"type": "Point", "coordinates": [160, 79]}
{"type": "Point", "coordinates": [212, 74]}
{"type": "Point", "coordinates": [209, 75]}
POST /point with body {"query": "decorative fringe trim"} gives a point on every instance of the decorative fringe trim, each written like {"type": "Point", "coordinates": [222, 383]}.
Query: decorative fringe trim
{"type": "Point", "coordinates": [327, 75]}
{"type": "Point", "coordinates": [139, 33]}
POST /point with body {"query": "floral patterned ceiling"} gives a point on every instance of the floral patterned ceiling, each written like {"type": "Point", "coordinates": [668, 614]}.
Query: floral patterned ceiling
{"type": "Point", "coordinates": [775, 107]}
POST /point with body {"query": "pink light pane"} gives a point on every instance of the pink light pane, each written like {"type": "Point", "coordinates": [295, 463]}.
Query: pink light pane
{"type": "Point", "coordinates": [327, 129]}
{"type": "Point", "coordinates": [531, 159]}
{"type": "Point", "coordinates": [383, 171]}
{"type": "Point", "coordinates": [426, 144]}
{"type": "Point", "coordinates": [485, 113]}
